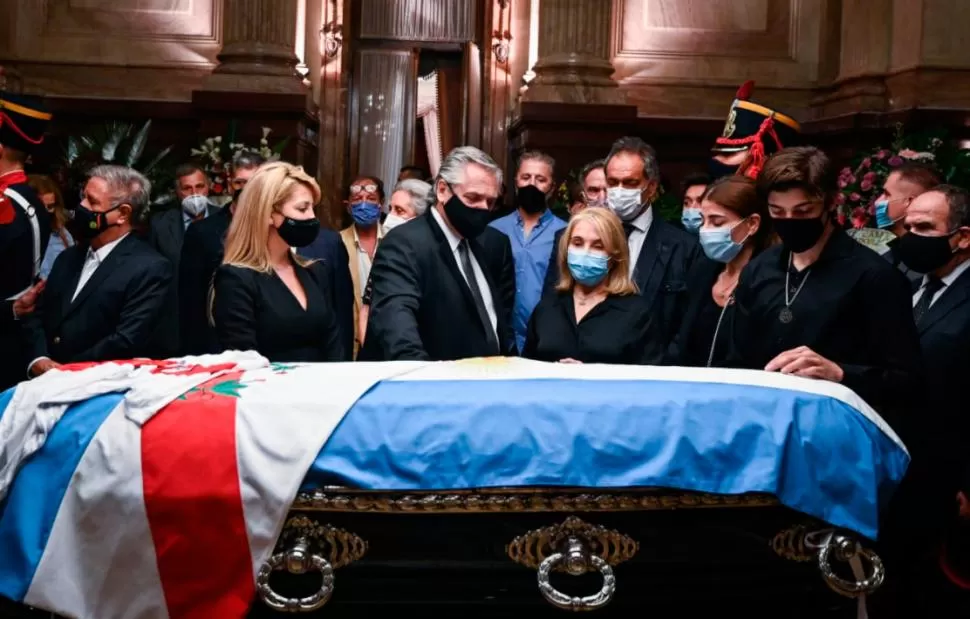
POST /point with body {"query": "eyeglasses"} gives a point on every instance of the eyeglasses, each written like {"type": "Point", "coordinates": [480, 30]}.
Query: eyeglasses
{"type": "Point", "coordinates": [371, 188]}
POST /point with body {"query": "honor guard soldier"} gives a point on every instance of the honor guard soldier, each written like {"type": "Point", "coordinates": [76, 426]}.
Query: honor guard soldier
{"type": "Point", "coordinates": [24, 226]}
{"type": "Point", "coordinates": [751, 134]}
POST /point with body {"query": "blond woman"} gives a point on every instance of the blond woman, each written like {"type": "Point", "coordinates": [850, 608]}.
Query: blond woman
{"type": "Point", "coordinates": [595, 314]}
{"type": "Point", "coordinates": [265, 297]}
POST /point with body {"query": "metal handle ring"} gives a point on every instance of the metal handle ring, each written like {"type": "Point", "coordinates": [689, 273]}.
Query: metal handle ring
{"type": "Point", "coordinates": [295, 561]}
{"type": "Point", "coordinates": [847, 549]}
{"type": "Point", "coordinates": [589, 602]}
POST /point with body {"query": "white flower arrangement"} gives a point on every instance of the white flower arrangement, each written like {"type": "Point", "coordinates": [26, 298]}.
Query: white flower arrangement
{"type": "Point", "coordinates": [216, 154]}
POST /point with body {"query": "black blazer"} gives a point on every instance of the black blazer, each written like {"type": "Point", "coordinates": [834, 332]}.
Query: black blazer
{"type": "Point", "coordinates": [202, 251]}
{"type": "Point", "coordinates": [329, 249]}
{"type": "Point", "coordinates": [944, 334]}
{"type": "Point", "coordinates": [115, 316]}
{"type": "Point", "coordinates": [660, 273]}
{"type": "Point", "coordinates": [422, 308]}
{"type": "Point", "coordinates": [618, 330]}
{"type": "Point", "coordinates": [256, 311]}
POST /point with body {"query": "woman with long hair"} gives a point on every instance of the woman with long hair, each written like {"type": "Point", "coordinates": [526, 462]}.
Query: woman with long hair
{"type": "Point", "coordinates": [61, 239]}
{"type": "Point", "coordinates": [595, 314]}
{"type": "Point", "coordinates": [735, 227]}
{"type": "Point", "coordinates": [265, 297]}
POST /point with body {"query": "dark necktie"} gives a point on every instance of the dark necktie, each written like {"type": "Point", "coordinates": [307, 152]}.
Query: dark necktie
{"type": "Point", "coordinates": [628, 229]}
{"type": "Point", "coordinates": [466, 266]}
{"type": "Point", "coordinates": [933, 285]}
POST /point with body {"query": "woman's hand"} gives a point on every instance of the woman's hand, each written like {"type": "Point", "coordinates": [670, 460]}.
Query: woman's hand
{"type": "Point", "coordinates": [569, 360]}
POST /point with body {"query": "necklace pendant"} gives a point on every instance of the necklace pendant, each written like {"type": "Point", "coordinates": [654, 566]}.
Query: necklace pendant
{"type": "Point", "coordinates": [785, 316]}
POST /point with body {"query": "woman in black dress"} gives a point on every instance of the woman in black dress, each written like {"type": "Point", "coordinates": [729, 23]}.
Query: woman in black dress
{"type": "Point", "coordinates": [735, 228]}
{"type": "Point", "coordinates": [265, 297]}
{"type": "Point", "coordinates": [595, 314]}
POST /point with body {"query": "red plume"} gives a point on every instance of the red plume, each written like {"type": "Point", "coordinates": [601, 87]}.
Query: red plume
{"type": "Point", "coordinates": [744, 93]}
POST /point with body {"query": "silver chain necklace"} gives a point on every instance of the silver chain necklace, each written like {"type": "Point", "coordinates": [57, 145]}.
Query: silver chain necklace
{"type": "Point", "coordinates": [786, 315]}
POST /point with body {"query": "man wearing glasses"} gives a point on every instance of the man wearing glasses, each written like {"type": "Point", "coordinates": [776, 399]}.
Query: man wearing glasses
{"type": "Point", "coordinates": [364, 202]}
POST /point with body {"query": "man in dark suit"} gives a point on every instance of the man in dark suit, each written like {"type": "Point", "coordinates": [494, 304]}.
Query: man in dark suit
{"type": "Point", "coordinates": [661, 253]}
{"type": "Point", "coordinates": [166, 235]}
{"type": "Point", "coordinates": [938, 437]}
{"type": "Point", "coordinates": [201, 255]}
{"type": "Point", "coordinates": [105, 301]}
{"type": "Point", "coordinates": [444, 283]}
{"type": "Point", "coordinates": [24, 227]}
{"type": "Point", "coordinates": [329, 247]}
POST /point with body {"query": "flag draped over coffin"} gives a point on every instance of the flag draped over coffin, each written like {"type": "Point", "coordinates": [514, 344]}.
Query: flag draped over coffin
{"type": "Point", "coordinates": [160, 489]}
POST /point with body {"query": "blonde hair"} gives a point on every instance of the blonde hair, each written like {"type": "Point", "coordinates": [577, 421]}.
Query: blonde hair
{"type": "Point", "coordinates": [610, 231]}
{"type": "Point", "coordinates": [247, 241]}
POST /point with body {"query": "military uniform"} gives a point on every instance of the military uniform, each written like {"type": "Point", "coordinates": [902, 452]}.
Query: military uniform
{"type": "Point", "coordinates": [754, 129]}
{"type": "Point", "coordinates": [24, 226]}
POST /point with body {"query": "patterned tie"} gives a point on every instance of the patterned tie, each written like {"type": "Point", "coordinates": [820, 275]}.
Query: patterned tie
{"type": "Point", "coordinates": [932, 286]}
{"type": "Point", "coordinates": [466, 266]}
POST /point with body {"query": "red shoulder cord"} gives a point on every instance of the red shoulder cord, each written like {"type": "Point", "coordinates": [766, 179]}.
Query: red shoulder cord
{"type": "Point", "coordinates": [757, 157]}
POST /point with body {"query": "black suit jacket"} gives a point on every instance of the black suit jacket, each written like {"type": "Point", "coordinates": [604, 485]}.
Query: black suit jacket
{"type": "Point", "coordinates": [329, 249]}
{"type": "Point", "coordinates": [202, 251]}
{"type": "Point", "coordinates": [422, 308]}
{"type": "Point", "coordinates": [660, 273]}
{"type": "Point", "coordinates": [700, 280]}
{"type": "Point", "coordinates": [115, 316]}
{"type": "Point", "coordinates": [166, 235]}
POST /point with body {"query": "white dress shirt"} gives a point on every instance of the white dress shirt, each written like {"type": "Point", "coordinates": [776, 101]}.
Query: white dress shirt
{"type": "Point", "coordinates": [949, 279]}
{"type": "Point", "coordinates": [453, 241]}
{"type": "Point", "coordinates": [363, 259]}
{"type": "Point", "coordinates": [641, 225]}
{"type": "Point", "coordinates": [93, 261]}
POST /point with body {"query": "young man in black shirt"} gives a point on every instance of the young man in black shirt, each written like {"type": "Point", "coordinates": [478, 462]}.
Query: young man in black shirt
{"type": "Point", "coordinates": [819, 304]}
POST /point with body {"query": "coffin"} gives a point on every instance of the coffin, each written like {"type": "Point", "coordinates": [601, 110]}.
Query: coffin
{"type": "Point", "coordinates": [499, 488]}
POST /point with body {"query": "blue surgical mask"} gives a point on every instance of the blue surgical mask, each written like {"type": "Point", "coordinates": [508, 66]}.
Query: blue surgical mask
{"type": "Point", "coordinates": [365, 213]}
{"type": "Point", "coordinates": [692, 219]}
{"type": "Point", "coordinates": [587, 268]}
{"type": "Point", "coordinates": [883, 220]}
{"type": "Point", "coordinates": [718, 244]}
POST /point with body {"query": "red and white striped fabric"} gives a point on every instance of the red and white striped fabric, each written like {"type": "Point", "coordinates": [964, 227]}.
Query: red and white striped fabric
{"type": "Point", "coordinates": [170, 512]}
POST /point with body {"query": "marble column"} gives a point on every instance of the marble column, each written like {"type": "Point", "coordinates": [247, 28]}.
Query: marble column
{"type": "Point", "coordinates": [574, 54]}
{"type": "Point", "coordinates": [258, 40]}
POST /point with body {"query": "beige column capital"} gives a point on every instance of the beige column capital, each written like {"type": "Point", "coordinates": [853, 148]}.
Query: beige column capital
{"type": "Point", "coordinates": [574, 54]}
{"type": "Point", "coordinates": [258, 39]}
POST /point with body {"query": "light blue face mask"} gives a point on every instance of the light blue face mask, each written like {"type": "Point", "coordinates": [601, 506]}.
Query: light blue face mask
{"type": "Point", "coordinates": [587, 268]}
{"type": "Point", "coordinates": [883, 220]}
{"type": "Point", "coordinates": [692, 219]}
{"type": "Point", "coordinates": [718, 244]}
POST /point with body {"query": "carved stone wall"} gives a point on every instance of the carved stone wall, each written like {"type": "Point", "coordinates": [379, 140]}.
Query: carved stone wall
{"type": "Point", "coordinates": [137, 49]}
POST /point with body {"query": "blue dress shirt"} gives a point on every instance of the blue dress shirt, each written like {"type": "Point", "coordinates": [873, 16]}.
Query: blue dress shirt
{"type": "Point", "coordinates": [531, 256]}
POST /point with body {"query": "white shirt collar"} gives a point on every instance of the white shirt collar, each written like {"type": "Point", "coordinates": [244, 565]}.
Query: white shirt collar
{"type": "Point", "coordinates": [954, 274]}
{"type": "Point", "coordinates": [451, 235]}
{"type": "Point", "coordinates": [380, 234]}
{"type": "Point", "coordinates": [101, 254]}
{"type": "Point", "coordinates": [643, 220]}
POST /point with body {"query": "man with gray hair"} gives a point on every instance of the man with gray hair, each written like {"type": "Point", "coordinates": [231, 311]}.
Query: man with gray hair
{"type": "Point", "coordinates": [103, 300]}
{"type": "Point", "coordinates": [661, 255]}
{"type": "Point", "coordinates": [444, 284]}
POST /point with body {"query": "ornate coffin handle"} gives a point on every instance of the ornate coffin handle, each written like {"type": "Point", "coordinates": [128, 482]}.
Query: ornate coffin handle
{"type": "Point", "coordinates": [574, 547]}
{"type": "Point", "coordinates": [576, 560]}
{"type": "Point", "coordinates": [848, 550]}
{"type": "Point", "coordinates": [297, 560]}
{"type": "Point", "coordinates": [313, 547]}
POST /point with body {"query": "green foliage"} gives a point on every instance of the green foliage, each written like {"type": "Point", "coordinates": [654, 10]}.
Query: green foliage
{"type": "Point", "coordinates": [118, 143]}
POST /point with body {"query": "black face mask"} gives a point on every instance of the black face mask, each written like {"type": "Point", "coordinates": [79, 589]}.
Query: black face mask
{"type": "Point", "coordinates": [799, 235]}
{"type": "Point", "coordinates": [530, 199]}
{"type": "Point", "coordinates": [299, 232]}
{"type": "Point", "coordinates": [468, 221]}
{"type": "Point", "coordinates": [91, 224]}
{"type": "Point", "coordinates": [923, 254]}
{"type": "Point", "coordinates": [716, 169]}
